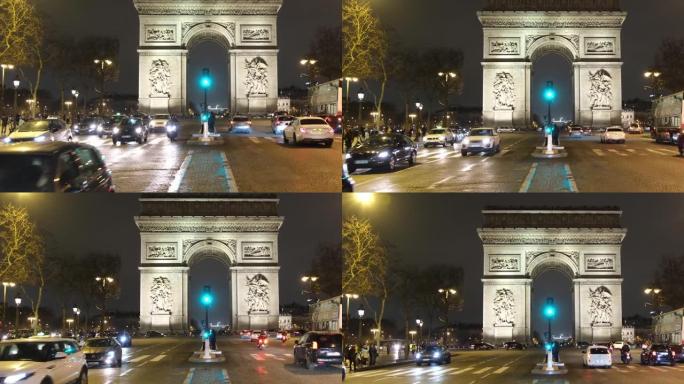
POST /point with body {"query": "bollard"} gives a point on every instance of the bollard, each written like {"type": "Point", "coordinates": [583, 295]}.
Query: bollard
{"type": "Point", "coordinates": [207, 350]}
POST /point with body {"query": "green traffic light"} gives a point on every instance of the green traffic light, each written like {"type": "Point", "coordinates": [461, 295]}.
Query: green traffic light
{"type": "Point", "coordinates": [549, 94]}
{"type": "Point", "coordinates": [549, 311]}
{"type": "Point", "coordinates": [205, 82]}
{"type": "Point", "coordinates": [207, 299]}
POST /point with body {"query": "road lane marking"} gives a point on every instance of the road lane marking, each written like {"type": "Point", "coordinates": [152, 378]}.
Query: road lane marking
{"type": "Point", "coordinates": [501, 370]}
{"type": "Point", "coordinates": [443, 372]}
{"type": "Point", "coordinates": [157, 358]}
{"type": "Point", "coordinates": [403, 371]}
{"type": "Point", "coordinates": [658, 369]}
{"type": "Point", "coordinates": [631, 367]}
{"type": "Point", "coordinates": [462, 371]}
{"type": "Point", "coordinates": [139, 358]}
{"type": "Point", "coordinates": [630, 150]}
{"type": "Point", "coordinates": [657, 152]}
{"type": "Point", "coordinates": [570, 179]}
{"type": "Point", "coordinates": [230, 177]}
{"type": "Point", "coordinates": [275, 357]}
{"type": "Point", "coordinates": [226, 378]}
{"type": "Point", "coordinates": [444, 180]}
{"type": "Point", "coordinates": [525, 187]}
{"type": "Point", "coordinates": [124, 373]}
{"type": "Point", "coordinates": [254, 140]}
{"type": "Point", "coordinates": [188, 378]}
{"type": "Point", "coordinates": [376, 373]}
{"type": "Point", "coordinates": [483, 370]}
{"type": "Point", "coordinates": [288, 354]}
{"type": "Point", "coordinates": [598, 152]}
{"type": "Point", "coordinates": [257, 357]}
{"type": "Point", "coordinates": [615, 151]}
{"type": "Point", "coordinates": [178, 179]}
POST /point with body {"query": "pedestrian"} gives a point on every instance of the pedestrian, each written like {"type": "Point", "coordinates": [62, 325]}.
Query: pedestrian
{"type": "Point", "coordinates": [555, 350]}
{"type": "Point", "coordinates": [373, 354]}
{"type": "Point", "coordinates": [351, 356]}
{"type": "Point", "coordinates": [4, 123]}
{"type": "Point", "coordinates": [680, 142]}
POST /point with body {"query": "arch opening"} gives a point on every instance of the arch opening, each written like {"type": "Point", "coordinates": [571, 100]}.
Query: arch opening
{"type": "Point", "coordinates": [552, 61]}
{"type": "Point", "coordinates": [552, 281]}
{"type": "Point", "coordinates": [209, 269]}
{"type": "Point", "coordinates": [208, 49]}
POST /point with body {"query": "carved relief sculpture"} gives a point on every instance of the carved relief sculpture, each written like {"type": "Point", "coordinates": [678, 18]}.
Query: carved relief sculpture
{"type": "Point", "coordinates": [504, 91]}
{"type": "Point", "coordinates": [600, 263]}
{"type": "Point", "coordinates": [504, 263]}
{"type": "Point", "coordinates": [161, 251]}
{"type": "Point", "coordinates": [504, 307]}
{"type": "Point", "coordinates": [160, 78]}
{"type": "Point", "coordinates": [256, 78]}
{"type": "Point", "coordinates": [597, 46]}
{"type": "Point", "coordinates": [504, 47]}
{"type": "Point", "coordinates": [256, 33]}
{"type": "Point", "coordinates": [256, 250]}
{"type": "Point", "coordinates": [258, 294]}
{"type": "Point", "coordinates": [160, 293]}
{"type": "Point", "coordinates": [601, 91]}
{"type": "Point", "coordinates": [601, 309]}
{"type": "Point", "coordinates": [160, 34]}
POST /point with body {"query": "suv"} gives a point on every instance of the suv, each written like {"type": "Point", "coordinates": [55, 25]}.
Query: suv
{"type": "Point", "coordinates": [318, 348]}
{"type": "Point", "coordinates": [658, 354]}
{"type": "Point", "coordinates": [42, 360]}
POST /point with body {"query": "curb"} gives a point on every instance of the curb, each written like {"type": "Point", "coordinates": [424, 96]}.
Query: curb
{"type": "Point", "coordinates": [379, 366]}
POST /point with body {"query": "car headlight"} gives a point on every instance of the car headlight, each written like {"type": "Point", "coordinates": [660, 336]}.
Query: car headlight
{"type": "Point", "coordinates": [347, 156]}
{"type": "Point", "coordinates": [418, 355]}
{"type": "Point", "coordinates": [111, 354]}
{"type": "Point", "coordinates": [75, 126]}
{"type": "Point", "coordinates": [383, 155]}
{"type": "Point", "coordinates": [100, 128]}
{"type": "Point", "coordinates": [436, 355]}
{"type": "Point", "coordinates": [17, 377]}
{"type": "Point", "coordinates": [6, 140]}
{"type": "Point", "coordinates": [138, 130]}
{"type": "Point", "coordinates": [466, 141]}
{"type": "Point", "coordinates": [40, 139]}
{"type": "Point", "coordinates": [92, 126]}
{"type": "Point", "coordinates": [171, 128]}
{"type": "Point", "coordinates": [487, 141]}
{"type": "Point", "coordinates": [116, 131]}
{"type": "Point", "coordinates": [123, 339]}
{"type": "Point", "coordinates": [442, 138]}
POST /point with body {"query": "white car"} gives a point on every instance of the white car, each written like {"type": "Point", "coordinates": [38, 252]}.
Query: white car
{"type": "Point", "coordinates": [309, 130]}
{"type": "Point", "coordinates": [42, 360]}
{"type": "Point", "coordinates": [438, 136]}
{"type": "Point", "coordinates": [597, 356]}
{"type": "Point", "coordinates": [159, 122]}
{"type": "Point", "coordinates": [635, 129]}
{"type": "Point", "coordinates": [613, 135]}
{"type": "Point", "coordinates": [41, 131]}
{"type": "Point", "coordinates": [481, 140]}
{"type": "Point", "coordinates": [618, 345]}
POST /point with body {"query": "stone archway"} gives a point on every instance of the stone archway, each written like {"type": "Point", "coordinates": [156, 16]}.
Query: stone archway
{"type": "Point", "coordinates": [245, 28]}
{"type": "Point", "coordinates": [240, 232]}
{"type": "Point", "coordinates": [586, 32]}
{"type": "Point", "coordinates": [584, 245]}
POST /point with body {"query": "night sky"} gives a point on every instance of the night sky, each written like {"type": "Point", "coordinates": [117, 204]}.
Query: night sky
{"type": "Point", "coordinates": [298, 21]}
{"type": "Point", "coordinates": [454, 24]}
{"type": "Point", "coordinates": [104, 223]}
{"type": "Point", "coordinates": [441, 228]}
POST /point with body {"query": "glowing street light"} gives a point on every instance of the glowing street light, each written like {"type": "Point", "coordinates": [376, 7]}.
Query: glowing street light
{"type": "Point", "coordinates": [5, 284]}
{"type": "Point", "coordinates": [360, 95]}
{"type": "Point", "coordinates": [350, 296]}
{"type": "Point", "coordinates": [2, 94]}
{"type": "Point", "coordinates": [361, 311]}
{"type": "Point", "coordinates": [17, 301]}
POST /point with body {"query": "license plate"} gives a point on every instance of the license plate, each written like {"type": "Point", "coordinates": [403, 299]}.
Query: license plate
{"type": "Point", "coordinates": [361, 162]}
{"type": "Point", "coordinates": [333, 353]}
{"type": "Point", "coordinates": [126, 136]}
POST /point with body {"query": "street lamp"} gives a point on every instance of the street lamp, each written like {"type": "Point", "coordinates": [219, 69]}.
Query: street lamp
{"type": "Point", "coordinates": [75, 94]}
{"type": "Point", "coordinates": [446, 292]}
{"type": "Point", "coordinates": [104, 281]}
{"type": "Point", "coordinates": [69, 321]}
{"type": "Point", "coordinates": [549, 313]}
{"type": "Point", "coordinates": [349, 80]}
{"type": "Point", "coordinates": [2, 95]}
{"type": "Point", "coordinates": [447, 76]}
{"type": "Point", "coordinates": [654, 77]}
{"type": "Point", "coordinates": [207, 300]}
{"type": "Point", "coordinates": [360, 95]}
{"type": "Point", "coordinates": [419, 323]}
{"type": "Point", "coordinates": [349, 296]}
{"type": "Point", "coordinates": [17, 301]}
{"type": "Point", "coordinates": [361, 311]}
{"type": "Point", "coordinates": [68, 104]}
{"type": "Point", "coordinates": [310, 280]}
{"type": "Point", "coordinates": [77, 312]}
{"type": "Point", "coordinates": [653, 292]}
{"type": "Point", "coordinates": [5, 284]}
{"type": "Point", "coordinates": [103, 63]}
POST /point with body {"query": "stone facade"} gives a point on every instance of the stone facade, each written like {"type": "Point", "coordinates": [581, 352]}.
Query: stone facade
{"type": "Point", "coordinates": [571, 241]}
{"type": "Point", "coordinates": [668, 327]}
{"type": "Point", "coordinates": [669, 111]}
{"type": "Point", "coordinates": [246, 29]}
{"type": "Point", "coordinates": [514, 38]}
{"type": "Point", "coordinates": [171, 241]}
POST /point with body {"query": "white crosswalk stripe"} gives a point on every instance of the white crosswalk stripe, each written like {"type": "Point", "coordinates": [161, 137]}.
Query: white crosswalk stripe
{"type": "Point", "coordinates": [501, 370]}
{"type": "Point", "coordinates": [483, 370]}
{"type": "Point", "coordinates": [462, 371]}
{"type": "Point", "coordinates": [157, 358]}
{"type": "Point", "coordinates": [139, 358]}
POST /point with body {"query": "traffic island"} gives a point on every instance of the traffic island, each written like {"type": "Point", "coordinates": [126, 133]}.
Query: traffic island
{"type": "Point", "coordinates": [207, 355]}
{"type": "Point", "coordinates": [554, 152]}
{"type": "Point", "coordinates": [206, 139]}
{"type": "Point", "coordinates": [550, 367]}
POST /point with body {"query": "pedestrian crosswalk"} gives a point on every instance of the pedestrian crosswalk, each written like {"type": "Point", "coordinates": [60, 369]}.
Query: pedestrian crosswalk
{"type": "Point", "coordinates": [143, 359]}
{"type": "Point", "coordinates": [272, 356]}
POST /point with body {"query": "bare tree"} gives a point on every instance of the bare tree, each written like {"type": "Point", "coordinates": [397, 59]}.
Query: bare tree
{"type": "Point", "coordinates": [668, 277]}
{"type": "Point", "coordinates": [669, 60]}
{"type": "Point", "coordinates": [365, 266]}
{"type": "Point", "coordinates": [20, 31]}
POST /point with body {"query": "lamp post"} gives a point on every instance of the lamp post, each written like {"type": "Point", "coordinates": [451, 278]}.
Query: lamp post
{"type": "Point", "coordinates": [68, 104]}
{"type": "Point", "coordinates": [447, 292]}
{"type": "Point", "coordinates": [361, 311]}
{"type": "Point", "coordinates": [17, 301]}
{"type": "Point", "coordinates": [653, 292]}
{"type": "Point", "coordinates": [447, 76]}
{"type": "Point", "coordinates": [349, 296]}
{"type": "Point", "coordinates": [103, 64]}
{"type": "Point", "coordinates": [2, 94]}
{"type": "Point", "coordinates": [419, 324]}
{"type": "Point", "coordinates": [349, 80]}
{"type": "Point", "coordinates": [16, 84]}
{"type": "Point", "coordinates": [77, 313]}
{"type": "Point", "coordinates": [75, 94]}
{"type": "Point", "coordinates": [654, 78]}
{"type": "Point", "coordinates": [419, 107]}
{"type": "Point", "coordinates": [5, 284]}
{"type": "Point", "coordinates": [360, 96]}
{"type": "Point", "coordinates": [104, 280]}
{"type": "Point", "coordinates": [69, 322]}
{"type": "Point", "coordinates": [31, 103]}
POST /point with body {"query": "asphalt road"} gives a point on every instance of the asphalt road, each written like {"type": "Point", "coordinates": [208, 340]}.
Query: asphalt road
{"type": "Point", "coordinates": [640, 165]}
{"type": "Point", "coordinates": [500, 366]}
{"type": "Point", "coordinates": [165, 360]}
{"type": "Point", "coordinates": [242, 162]}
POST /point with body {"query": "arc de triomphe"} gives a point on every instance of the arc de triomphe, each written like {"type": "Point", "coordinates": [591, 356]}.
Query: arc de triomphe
{"type": "Point", "coordinates": [247, 29]}
{"type": "Point", "coordinates": [178, 231]}
{"type": "Point", "coordinates": [585, 32]}
{"type": "Point", "coordinates": [519, 245]}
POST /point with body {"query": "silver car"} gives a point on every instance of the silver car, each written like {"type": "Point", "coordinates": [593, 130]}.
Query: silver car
{"type": "Point", "coordinates": [41, 131]}
{"type": "Point", "coordinates": [103, 351]}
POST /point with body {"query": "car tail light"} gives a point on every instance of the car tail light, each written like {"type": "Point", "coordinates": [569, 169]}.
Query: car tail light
{"type": "Point", "coordinates": [653, 353]}
{"type": "Point", "coordinates": [314, 345]}
{"type": "Point", "coordinates": [249, 122]}
{"type": "Point", "coordinates": [331, 130]}
{"type": "Point", "coordinates": [302, 130]}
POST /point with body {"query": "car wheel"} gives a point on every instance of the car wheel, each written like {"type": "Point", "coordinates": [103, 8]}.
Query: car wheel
{"type": "Point", "coordinates": [464, 153]}
{"type": "Point", "coordinates": [83, 377]}
{"type": "Point", "coordinates": [114, 142]}
{"type": "Point", "coordinates": [140, 141]}
{"type": "Point", "coordinates": [285, 141]}
{"type": "Point", "coordinates": [328, 143]}
{"type": "Point", "coordinates": [119, 363]}
{"type": "Point", "coordinates": [412, 159]}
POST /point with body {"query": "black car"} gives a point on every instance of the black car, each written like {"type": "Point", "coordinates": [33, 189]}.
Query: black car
{"type": "Point", "coordinates": [666, 135]}
{"type": "Point", "coordinates": [481, 346]}
{"type": "Point", "coordinates": [53, 167]}
{"type": "Point", "coordinates": [582, 345]}
{"type": "Point", "coordinates": [318, 348]}
{"type": "Point", "coordinates": [382, 151]}
{"type": "Point", "coordinates": [130, 129]}
{"type": "Point", "coordinates": [678, 353]}
{"type": "Point", "coordinates": [658, 354]}
{"type": "Point", "coordinates": [88, 126]}
{"type": "Point", "coordinates": [433, 354]}
{"type": "Point", "coordinates": [514, 345]}
{"type": "Point", "coordinates": [347, 181]}
{"type": "Point", "coordinates": [154, 334]}
{"type": "Point", "coordinates": [109, 125]}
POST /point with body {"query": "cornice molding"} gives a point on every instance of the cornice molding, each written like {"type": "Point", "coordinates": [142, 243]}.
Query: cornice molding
{"type": "Point", "coordinates": [208, 224]}
{"type": "Point", "coordinates": [208, 7]}
{"type": "Point", "coordinates": [552, 19]}
{"type": "Point", "coordinates": [552, 236]}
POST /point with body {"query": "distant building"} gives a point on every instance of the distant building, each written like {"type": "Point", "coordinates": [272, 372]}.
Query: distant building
{"type": "Point", "coordinates": [667, 327]}
{"type": "Point", "coordinates": [627, 118]}
{"type": "Point", "coordinates": [326, 98]}
{"type": "Point", "coordinates": [284, 104]}
{"type": "Point", "coordinates": [326, 315]}
{"type": "Point", "coordinates": [669, 110]}
{"type": "Point", "coordinates": [628, 334]}
{"type": "Point", "coordinates": [285, 322]}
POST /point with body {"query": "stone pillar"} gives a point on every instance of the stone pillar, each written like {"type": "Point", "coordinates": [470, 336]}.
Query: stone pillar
{"type": "Point", "coordinates": [252, 285]}
{"type": "Point", "coordinates": [163, 299]}
{"type": "Point", "coordinates": [592, 293]}
{"type": "Point", "coordinates": [598, 98]}
{"type": "Point", "coordinates": [510, 296]}
{"type": "Point", "coordinates": [505, 94]}
{"type": "Point", "coordinates": [162, 80]}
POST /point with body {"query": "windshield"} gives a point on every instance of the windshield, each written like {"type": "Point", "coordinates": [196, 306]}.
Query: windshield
{"type": "Point", "coordinates": [286, 118]}
{"type": "Point", "coordinates": [313, 122]}
{"type": "Point", "coordinates": [25, 173]}
{"type": "Point", "coordinates": [240, 118]}
{"type": "Point", "coordinates": [115, 119]}
{"type": "Point", "coordinates": [482, 132]}
{"type": "Point", "coordinates": [22, 351]}
{"type": "Point", "coordinates": [433, 348]}
{"type": "Point", "coordinates": [89, 120]}
{"type": "Point", "coordinates": [437, 131]}
{"type": "Point", "coordinates": [99, 343]}
{"type": "Point", "coordinates": [379, 140]}
{"type": "Point", "coordinates": [34, 126]}
{"type": "Point", "coordinates": [328, 341]}
{"type": "Point", "coordinates": [614, 130]}
{"type": "Point", "coordinates": [161, 117]}
{"type": "Point", "coordinates": [659, 348]}
{"type": "Point", "coordinates": [130, 123]}
{"type": "Point", "coordinates": [598, 351]}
